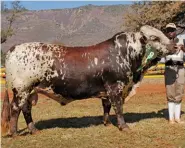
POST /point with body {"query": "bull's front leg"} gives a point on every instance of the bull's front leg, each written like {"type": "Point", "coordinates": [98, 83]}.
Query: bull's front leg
{"type": "Point", "coordinates": [114, 92]}
{"type": "Point", "coordinates": [106, 108]}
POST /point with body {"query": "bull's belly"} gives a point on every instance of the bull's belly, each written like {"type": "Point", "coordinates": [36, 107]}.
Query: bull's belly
{"type": "Point", "coordinates": [79, 90]}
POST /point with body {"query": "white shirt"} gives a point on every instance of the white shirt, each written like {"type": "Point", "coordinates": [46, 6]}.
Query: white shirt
{"type": "Point", "coordinates": [179, 55]}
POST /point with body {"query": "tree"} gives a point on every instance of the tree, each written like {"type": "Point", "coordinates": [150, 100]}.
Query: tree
{"type": "Point", "coordinates": [13, 14]}
{"type": "Point", "coordinates": [154, 13]}
{"type": "Point", "coordinates": [2, 58]}
{"type": "Point", "coordinates": [3, 7]}
{"type": "Point", "coordinates": [7, 32]}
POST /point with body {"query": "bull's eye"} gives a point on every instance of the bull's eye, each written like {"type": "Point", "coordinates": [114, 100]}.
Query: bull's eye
{"type": "Point", "coordinates": [155, 38]}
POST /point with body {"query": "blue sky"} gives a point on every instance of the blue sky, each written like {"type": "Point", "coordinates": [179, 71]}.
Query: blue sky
{"type": "Point", "coordinates": [43, 5]}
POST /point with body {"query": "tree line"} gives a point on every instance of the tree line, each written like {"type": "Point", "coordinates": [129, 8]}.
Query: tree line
{"type": "Point", "coordinates": [154, 13]}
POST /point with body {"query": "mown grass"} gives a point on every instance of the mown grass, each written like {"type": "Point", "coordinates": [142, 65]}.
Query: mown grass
{"type": "Point", "coordinates": [79, 125]}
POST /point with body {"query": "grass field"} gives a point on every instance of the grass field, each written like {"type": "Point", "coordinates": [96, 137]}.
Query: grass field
{"type": "Point", "coordinates": [79, 124]}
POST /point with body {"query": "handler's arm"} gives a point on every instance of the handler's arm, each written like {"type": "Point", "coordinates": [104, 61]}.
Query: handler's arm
{"type": "Point", "coordinates": [182, 47]}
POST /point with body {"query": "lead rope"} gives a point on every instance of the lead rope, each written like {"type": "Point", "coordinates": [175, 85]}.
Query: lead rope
{"type": "Point", "coordinates": [149, 55]}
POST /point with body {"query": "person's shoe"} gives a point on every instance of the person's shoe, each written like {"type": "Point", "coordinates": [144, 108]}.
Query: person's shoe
{"type": "Point", "coordinates": [171, 122]}
{"type": "Point", "coordinates": [179, 121]}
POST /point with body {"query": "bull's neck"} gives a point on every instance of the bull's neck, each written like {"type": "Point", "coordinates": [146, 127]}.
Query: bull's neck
{"type": "Point", "coordinates": [136, 56]}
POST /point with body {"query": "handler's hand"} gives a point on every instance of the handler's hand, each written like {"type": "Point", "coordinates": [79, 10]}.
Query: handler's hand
{"type": "Point", "coordinates": [180, 47]}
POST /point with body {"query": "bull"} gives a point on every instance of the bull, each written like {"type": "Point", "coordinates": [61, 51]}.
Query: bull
{"type": "Point", "coordinates": [107, 70]}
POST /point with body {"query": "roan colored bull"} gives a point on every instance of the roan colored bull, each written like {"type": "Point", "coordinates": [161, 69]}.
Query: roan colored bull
{"type": "Point", "coordinates": [107, 70]}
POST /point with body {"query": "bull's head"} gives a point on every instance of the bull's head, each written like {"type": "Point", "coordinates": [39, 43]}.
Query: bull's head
{"type": "Point", "coordinates": [157, 40]}
{"type": "Point", "coordinates": [157, 45]}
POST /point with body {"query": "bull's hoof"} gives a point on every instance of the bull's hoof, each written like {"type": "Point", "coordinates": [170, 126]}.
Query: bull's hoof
{"type": "Point", "coordinates": [34, 131]}
{"type": "Point", "coordinates": [124, 127]}
{"type": "Point", "coordinates": [4, 128]}
{"type": "Point", "coordinates": [107, 123]}
{"type": "Point", "coordinates": [11, 135]}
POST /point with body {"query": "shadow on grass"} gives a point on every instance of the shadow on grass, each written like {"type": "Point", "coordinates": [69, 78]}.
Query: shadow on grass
{"type": "Point", "coordinates": [87, 121]}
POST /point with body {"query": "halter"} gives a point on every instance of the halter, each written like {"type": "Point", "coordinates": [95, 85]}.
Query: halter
{"type": "Point", "coordinates": [150, 54]}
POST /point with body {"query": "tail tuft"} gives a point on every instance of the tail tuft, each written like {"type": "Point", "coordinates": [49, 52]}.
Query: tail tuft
{"type": "Point", "coordinates": [5, 114]}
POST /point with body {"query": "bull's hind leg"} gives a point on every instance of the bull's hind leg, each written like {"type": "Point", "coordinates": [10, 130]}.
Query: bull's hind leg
{"type": "Point", "coordinates": [114, 92]}
{"type": "Point", "coordinates": [19, 100]}
{"type": "Point", "coordinates": [28, 116]}
{"type": "Point", "coordinates": [106, 108]}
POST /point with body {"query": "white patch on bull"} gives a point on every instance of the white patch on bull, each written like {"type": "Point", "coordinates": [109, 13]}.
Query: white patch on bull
{"type": "Point", "coordinates": [127, 64]}
{"type": "Point", "coordinates": [120, 86]}
{"type": "Point", "coordinates": [88, 67]}
{"type": "Point", "coordinates": [55, 74]}
{"type": "Point", "coordinates": [24, 69]}
{"type": "Point", "coordinates": [118, 45]}
{"type": "Point", "coordinates": [63, 76]}
{"type": "Point", "coordinates": [119, 52]}
{"type": "Point", "coordinates": [117, 59]}
{"type": "Point", "coordinates": [61, 71]}
{"type": "Point", "coordinates": [96, 61]}
{"type": "Point", "coordinates": [92, 63]}
{"type": "Point", "coordinates": [103, 62]}
{"type": "Point", "coordinates": [150, 32]}
{"type": "Point", "coordinates": [135, 45]}
{"type": "Point", "coordinates": [121, 64]}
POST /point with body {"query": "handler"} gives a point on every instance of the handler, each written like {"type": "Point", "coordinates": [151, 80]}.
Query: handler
{"type": "Point", "coordinates": [174, 76]}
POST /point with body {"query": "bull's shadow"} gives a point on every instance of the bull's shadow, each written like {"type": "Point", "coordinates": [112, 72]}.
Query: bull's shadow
{"type": "Point", "coordinates": [87, 121]}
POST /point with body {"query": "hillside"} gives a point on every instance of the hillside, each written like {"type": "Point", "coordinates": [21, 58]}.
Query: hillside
{"type": "Point", "coordinates": [74, 27]}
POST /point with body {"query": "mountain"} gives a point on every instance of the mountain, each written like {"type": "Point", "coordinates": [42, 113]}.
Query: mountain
{"type": "Point", "coordinates": [80, 26]}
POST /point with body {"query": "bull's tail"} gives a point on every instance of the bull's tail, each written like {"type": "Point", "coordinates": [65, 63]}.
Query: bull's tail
{"type": "Point", "coordinates": [5, 113]}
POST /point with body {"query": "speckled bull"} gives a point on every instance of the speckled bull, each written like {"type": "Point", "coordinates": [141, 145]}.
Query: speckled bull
{"type": "Point", "coordinates": [71, 73]}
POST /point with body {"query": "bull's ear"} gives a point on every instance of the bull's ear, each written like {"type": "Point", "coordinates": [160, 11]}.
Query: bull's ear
{"type": "Point", "coordinates": [143, 40]}
{"type": "Point", "coordinates": [154, 38]}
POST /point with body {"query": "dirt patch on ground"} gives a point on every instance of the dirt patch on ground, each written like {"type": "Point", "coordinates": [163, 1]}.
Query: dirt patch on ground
{"type": "Point", "coordinates": [146, 89]}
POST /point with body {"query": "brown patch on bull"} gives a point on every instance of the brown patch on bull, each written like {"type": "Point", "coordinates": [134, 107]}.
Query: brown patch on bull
{"type": "Point", "coordinates": [44, 48]}
{"type": "Point", "coordinates": [134, 38]}
{"type": "Point", "coordinates": [33, 53]}
{"type": "Point", "coordinates": [38, 57]}
{"type": "Point", "coordinates": [12, 48]}
{"type": "Point", "coordinates": [143, 40]}
{"type": "Point", "coordinates": [24, 58]}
